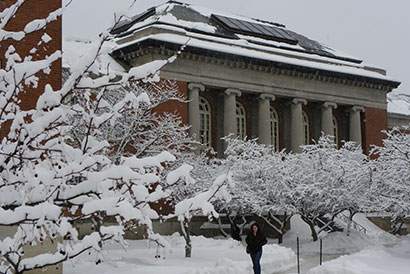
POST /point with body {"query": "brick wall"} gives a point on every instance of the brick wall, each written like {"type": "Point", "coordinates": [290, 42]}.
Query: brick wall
{"type": "Point", "coordinates": [172, 106]}
{"type": "Point", "coordinates": [31, 10]}
{"type": "Point", "coordinates": [374, 121]}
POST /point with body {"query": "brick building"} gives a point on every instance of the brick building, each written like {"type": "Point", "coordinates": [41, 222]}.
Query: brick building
{"type": "Point", "coordinates": [257, 79]}
{"type": "Point", "coordinates": [29, 11]}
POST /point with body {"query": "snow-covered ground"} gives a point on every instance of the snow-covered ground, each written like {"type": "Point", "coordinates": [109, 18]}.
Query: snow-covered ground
{"type": "Point", "coordinates": [373, 260]}
{"type": "Point", "coordinates": [209, 256]}
{"type": "Point", "coordinates": [355, 254]}
{"type": "Point", "coordinates": [371, 253]}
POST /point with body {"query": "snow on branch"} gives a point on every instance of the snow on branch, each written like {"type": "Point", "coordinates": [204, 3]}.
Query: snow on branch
{"type": "Point", "coordinates": [59, 163]}
{"type": "Point", "coordinates": [202, 202]}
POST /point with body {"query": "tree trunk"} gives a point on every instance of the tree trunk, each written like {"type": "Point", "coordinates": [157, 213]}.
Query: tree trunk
{"type": "Point", "coordinates": [286, 219]}
{"type": "Point", "coordinates": [397, 224]}
{"type": "Point", "coordinates": [282, 224]}
{"type": "Point", "coordinates": [349, 222]}
{"type": "Point", "coordinates": [185, 233]}
{"type": "Point", "coordinates": [311, 226]}
{"type": "Point", "coordinates": [280, 239]}
{"type": "Point", "coordinates": [221, 229]}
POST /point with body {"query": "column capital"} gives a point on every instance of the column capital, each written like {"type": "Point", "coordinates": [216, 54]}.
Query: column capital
{"type": "Point", "coordinates": [299, 101]}
{"type": "Point", "coordinates": [233, 91]}
{"type": "Point", "coordinates": [267, 96]}
{"type": "Point", "coordinates": [192, 86]}
{"type": "Point", "coordinates": [329, 105]}
{"type": "Point", "coordinates": [357, 109]}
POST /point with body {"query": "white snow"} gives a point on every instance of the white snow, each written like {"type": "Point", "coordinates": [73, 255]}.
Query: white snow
{"type": "Point", "coordinates": [231, 48]}
{"type": "Point", "coordinates": [374, 260]}
{"type": "Point", "coordinates": [46, 38]}
{"type": "Point", "coordinates": [209, 256]}
{"type": "Point", "coordinates": [163, 15]}
{"type": "Point", "coordinates": [75, 49]}
{"type": "Point", "coordinates": [214, 256]}
{"type": "Point", "coordinates": [398, 103]}
{"type": "Point", "coordinates": [357, 254]}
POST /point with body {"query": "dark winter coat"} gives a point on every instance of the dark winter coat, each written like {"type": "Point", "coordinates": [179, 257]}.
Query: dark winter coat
{"type": "Point", "coordinates": [255, 243]}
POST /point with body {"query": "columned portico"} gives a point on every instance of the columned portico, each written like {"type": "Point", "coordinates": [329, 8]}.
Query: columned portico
{"type": "Point", "coordinates": [355, 131]}
{"type": "Point", "coordinates": [264, 123]}
{"type": "Point", "coordinates": [296, 124]}
{"type": "Point", "coordinates": [230, 126]}
{"type": "Point", "coordinates": [327, 118]}
{"type": "Point", "coordinates": [193, 109]}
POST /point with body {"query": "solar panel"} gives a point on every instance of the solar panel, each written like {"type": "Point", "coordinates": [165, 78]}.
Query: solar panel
{"type": "Point", "coordinates": [263, 30]}
{"type": "Point", "coordinates": [126, 24]}
{"type": "Point", "coordinates": [229, 23]}
{"type": "Point", "coordinates": [255, 29]}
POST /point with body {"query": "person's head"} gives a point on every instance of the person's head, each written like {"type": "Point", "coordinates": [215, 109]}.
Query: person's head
{"type": "Point", "coordinates": [255, 228]}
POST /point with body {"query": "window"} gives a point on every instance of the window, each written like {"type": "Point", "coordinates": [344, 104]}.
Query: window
{"type": "Point", "coordinates": [274, 128]}
{"type": "Point", "coordinates": [305, 124]}
{"type": "Point", "coordinates": [204, 122]}
{"type": "Point", "coordinates": [335, 130]}
{"type": "Point", "coordinates": [240, 121]}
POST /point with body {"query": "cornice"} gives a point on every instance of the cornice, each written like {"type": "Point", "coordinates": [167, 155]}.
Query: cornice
{"type": "Point", "coordinates": [268, 67]}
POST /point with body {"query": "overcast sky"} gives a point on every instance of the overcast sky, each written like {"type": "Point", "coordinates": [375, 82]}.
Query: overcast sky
{"type": "Point", "coordinates": [377, 31]}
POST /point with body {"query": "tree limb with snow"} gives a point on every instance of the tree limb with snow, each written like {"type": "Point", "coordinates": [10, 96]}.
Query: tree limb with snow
{"type": "Point", "coordinates": [50, 178]}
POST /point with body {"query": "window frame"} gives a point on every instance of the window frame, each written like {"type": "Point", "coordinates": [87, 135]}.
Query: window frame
{"type": "Point", "coordinates": [274, 128]}
{"type": "Point", "coordinates": [306, 128]}
{"type": "Point", "coordinates": [335, 129]}
{"type": "Point", "coordinates": [240, 121]}
{"type": "Point", "coordinates": [205, 124]}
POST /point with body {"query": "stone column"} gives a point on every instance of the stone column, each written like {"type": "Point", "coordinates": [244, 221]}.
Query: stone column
{"type": "Point", "coordinates": [193, 108]}
{"type": "Point", "coordinates": [296, 129]}
{"type": "Point", "coordinates": [230, 111]}
{"type": "Point", "coordinates": [264, 129]}
{"type": "Point", "coordinates": [355, 129]}
{"type": "Point", "coordinates": [327, 118]}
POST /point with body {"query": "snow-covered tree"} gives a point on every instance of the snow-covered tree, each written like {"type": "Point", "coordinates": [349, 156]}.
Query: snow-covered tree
{"type": "Point", "coordinates": [390, 188]}
{"type": "Point", "coordinates": [353, 191]}
{"type": "Point", "coordinates": [258, 176]}
{"type": "Point", "coordinates": [322, 180]}
{"type": "Point", "coordinates": [144, 131]}
{"type": "Point", "coordinates": [202, 203]}
{"type": "Point", "coordinates": [51, 178]}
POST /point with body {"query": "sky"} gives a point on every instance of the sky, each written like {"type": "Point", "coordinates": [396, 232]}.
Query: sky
{"type": "Point", "coordinates": [376, 31]}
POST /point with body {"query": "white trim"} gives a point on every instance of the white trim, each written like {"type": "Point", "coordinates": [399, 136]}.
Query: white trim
{"type": "Point", "coordinates": [240, 121]}
{"type": "Point", "coordinates": [306, 128]}
{"type": "Point", "coordinates": [335, 130]}
{"type": "Point", "coordinates": [205, 122]}
{"type": "Point", "coordinates": [274, 128]}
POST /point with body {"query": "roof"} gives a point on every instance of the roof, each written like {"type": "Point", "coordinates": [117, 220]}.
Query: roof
{"type": "Point", "coordinates": [239, 35]}
{"type": "Point", "coordinates": [74, 49]}
{"type": "Point", "coordinates": [398, 103]}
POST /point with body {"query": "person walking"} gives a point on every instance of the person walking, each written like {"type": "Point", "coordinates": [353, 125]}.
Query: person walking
{"type": "Point", "coordinates": [255, 240]}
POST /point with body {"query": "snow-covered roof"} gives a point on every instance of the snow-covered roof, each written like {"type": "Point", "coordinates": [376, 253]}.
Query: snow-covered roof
{"type": "Point", "coordinates": [199, 24]}
{"type": "Point", "coordinates": [74, 49]}
{"type": "Point", "coordinates": [398, 103]}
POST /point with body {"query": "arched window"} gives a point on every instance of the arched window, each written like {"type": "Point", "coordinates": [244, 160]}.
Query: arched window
{"type": "Point", "coordinates": [240, 121]}
{"type": "Point", "coordinates": [204, 122]}
{"type": "Point", "coordinates": [335, 130]}
{"type": "Point", "coordinates": [305, 124]}
{"type": "Point", "coordinates": [274, 128]}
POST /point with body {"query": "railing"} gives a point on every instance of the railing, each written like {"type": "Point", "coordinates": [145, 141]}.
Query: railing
{"type": "Point", "coordinates": [326, 226]}
{"type": "Point", "coordinates": [356, 226]}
